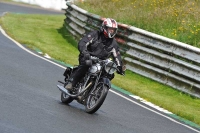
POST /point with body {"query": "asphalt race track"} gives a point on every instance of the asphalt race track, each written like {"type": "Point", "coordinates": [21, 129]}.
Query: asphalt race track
{"type": "Point", "coordinates": [30, 101]}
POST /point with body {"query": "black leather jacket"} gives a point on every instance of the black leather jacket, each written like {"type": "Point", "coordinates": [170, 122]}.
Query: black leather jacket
{"type": "Point", "coordinates": [97, 45]}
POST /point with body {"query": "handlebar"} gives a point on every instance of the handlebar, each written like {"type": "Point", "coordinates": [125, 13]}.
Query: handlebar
{"type": "Point", "coordinates": [93, 58]}
{"type": "Point", "coordinates": [96, 59]}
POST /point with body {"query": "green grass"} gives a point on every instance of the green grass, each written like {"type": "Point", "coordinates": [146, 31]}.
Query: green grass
{"type": "Point", "coordinates": [46, 32]}
{"type": "Point", "coordinates": [19, 3]}
{"type": "Point", "coordinates": [42, 32]}
{"type": "Point", "coordinates": [176, 19]}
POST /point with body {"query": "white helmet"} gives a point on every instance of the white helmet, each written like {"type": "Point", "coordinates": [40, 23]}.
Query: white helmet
{"type": "Point", "coordinates": [109, 27]}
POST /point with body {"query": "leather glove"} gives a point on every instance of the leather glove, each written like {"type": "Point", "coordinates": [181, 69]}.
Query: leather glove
{"type": "Point", "coordinates": [120, 71]}
{"type": "Point", "coordinates": [86, 55]}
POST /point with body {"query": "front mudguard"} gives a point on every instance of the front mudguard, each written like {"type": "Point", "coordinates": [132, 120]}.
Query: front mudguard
{"type": "Point", "coordinates": [106, 82]}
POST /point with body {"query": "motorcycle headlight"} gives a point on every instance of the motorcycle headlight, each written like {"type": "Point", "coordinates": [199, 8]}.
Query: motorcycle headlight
{"type": "Point", "coordinates": [95, 68]}
{"type": "Point", "coordinates": [110, 67]}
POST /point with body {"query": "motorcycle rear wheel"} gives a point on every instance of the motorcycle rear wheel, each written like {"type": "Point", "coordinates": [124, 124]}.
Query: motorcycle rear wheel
{"type": "Point", "coordinates": [96, 98]}
{"type": "Point", "coordinates": [65, 98]}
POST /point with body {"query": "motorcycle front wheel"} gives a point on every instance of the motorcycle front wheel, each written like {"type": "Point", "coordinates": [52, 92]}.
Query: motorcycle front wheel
{"type": "Point", "coordinates": [65, 98]}
{"type": "Point", "coordinates": [96, 98]}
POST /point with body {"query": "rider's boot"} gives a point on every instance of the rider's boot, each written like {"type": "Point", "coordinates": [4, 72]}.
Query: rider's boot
{"type": "Point", "coordinates": [69, 85]}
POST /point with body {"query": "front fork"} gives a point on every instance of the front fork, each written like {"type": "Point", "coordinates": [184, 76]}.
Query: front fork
{"type": "Point", "coordinates": [106, 82]}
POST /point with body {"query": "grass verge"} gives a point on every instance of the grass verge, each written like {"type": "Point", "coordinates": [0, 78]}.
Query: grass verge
{"type": "Point", "coordinates": [46, 32]}
{"type": "Point", "coordinates": [176, 19]}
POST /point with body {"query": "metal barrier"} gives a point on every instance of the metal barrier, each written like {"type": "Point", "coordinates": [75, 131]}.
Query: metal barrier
{"type": "Point", "coordinates": [164, 60]}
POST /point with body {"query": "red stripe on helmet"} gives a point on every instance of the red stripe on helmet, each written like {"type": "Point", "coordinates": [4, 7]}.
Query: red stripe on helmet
{"type": "Point", "coordinates": [105, 22]}
{"type": "Point", "coordinates": [113, 23]}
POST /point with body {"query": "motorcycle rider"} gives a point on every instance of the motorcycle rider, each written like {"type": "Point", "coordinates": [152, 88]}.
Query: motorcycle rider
{"type": "Point", "coordinates": [98, 43]}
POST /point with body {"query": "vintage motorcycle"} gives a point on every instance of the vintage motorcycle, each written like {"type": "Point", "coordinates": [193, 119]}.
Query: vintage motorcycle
{"type": "Point", "coordinates": [92, 90]}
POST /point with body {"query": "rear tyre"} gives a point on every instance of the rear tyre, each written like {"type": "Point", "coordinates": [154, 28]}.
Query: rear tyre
{"type": "Point", "coordinates": [96, 98]}
{"type": "Point", "coordinates": [65, 98]}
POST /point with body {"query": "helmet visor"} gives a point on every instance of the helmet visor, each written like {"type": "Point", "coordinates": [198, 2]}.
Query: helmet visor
{"type": "Point", "coordinates": [111, 31]}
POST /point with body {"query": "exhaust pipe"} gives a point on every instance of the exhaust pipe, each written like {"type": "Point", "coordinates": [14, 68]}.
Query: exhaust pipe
{"type": "Point", "coordinates": [61, 88]}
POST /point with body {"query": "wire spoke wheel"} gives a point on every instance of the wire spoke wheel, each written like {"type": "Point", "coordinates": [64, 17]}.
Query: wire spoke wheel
{"type": "Point", "coordinates": [96, 98]}
{"type": "Point", "coordinates": [66, 99]}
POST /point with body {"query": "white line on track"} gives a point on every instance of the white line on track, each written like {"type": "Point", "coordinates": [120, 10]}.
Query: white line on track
{"type": "Point", "coordinates": [154, 111]}
{"type": "Point", "coordinates": [3, 32]}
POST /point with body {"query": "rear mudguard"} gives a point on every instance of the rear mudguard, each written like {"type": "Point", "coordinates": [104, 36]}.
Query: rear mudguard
{"type": "Point", "coordinates": [106, 82]}
{"type": "Point", "coordinates": [69, 71]}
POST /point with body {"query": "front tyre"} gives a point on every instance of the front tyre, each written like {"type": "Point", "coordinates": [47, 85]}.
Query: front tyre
{"type": "Point", "coordinates": [96, 98]}
{"type": "Point", "coordinates": [65, 98]}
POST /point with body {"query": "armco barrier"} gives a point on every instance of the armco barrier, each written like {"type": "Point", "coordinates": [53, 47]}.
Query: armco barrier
{"type": "Point", "coordinates": [165, 60]}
